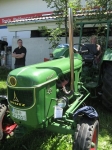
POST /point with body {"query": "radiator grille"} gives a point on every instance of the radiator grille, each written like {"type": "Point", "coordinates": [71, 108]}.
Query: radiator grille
{"type": "Point", "coordinates": [20, 98]}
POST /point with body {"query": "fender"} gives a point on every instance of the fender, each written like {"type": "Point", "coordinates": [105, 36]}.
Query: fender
{"type": "Point", "coordinates": [107, 55]}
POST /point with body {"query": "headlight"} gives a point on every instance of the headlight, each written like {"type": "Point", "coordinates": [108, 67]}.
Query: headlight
{"type": "Point", "coordinates": [12, 80]}
{"type": "Point", "coordinates": [62, 102]}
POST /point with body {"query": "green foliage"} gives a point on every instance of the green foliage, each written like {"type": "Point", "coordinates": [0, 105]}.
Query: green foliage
{"type": "Point", "coordinates": [38, 140]}
{"type": "Point", "coordinates": [105, 134]}
{"type": "Point", "coordinates": [4, 72]}
{"type": "Point", "coordinates": [58, 142]}
{"type": "Point", "coordinates": [75, 5]}
{"type": "Point", "coordinates": [53, 35]}
{"type": "Point", "coordinates": [97, 9]}
{"type": "Point", "coordinates": [3, 76]}
{"type": "Point", "coordinates": [61, 13]}
{"type": "Point", "coordinates": [3, 87]}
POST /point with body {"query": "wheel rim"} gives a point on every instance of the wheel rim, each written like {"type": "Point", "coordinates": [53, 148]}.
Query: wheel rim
{"type": "Point", "coordinates": [94, 140]}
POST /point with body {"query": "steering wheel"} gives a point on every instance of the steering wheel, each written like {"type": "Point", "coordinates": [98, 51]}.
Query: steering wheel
{"type": "Point", "coordinates": [84, 51]}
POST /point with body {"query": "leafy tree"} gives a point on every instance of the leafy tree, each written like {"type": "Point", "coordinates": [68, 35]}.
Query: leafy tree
{"type": "Point", "coordinates": [97, 9]}
{"type": "Point", "coordinates": [103, 8]}
{"type": "Point", "coordinates": [60, 11]}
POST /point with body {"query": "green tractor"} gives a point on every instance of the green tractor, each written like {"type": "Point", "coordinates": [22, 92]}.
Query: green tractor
{"type": "Point", "coordinates": [52, 95]}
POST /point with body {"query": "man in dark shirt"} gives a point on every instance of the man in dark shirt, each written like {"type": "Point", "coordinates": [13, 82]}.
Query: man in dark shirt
{"type": "Point", "coordinates": [93, 40]}
{"type": "Point", "coordinates": [19, 54]}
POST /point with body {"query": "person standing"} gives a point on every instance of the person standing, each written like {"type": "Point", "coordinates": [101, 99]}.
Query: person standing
{"type": "Point", "coordinates": [93, 40]}
{"type": "Point", "coordinates": [19, 54]}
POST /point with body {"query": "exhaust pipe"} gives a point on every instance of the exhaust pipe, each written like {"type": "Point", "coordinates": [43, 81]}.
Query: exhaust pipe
{"type": "Point", "coordinates": [71, 52]}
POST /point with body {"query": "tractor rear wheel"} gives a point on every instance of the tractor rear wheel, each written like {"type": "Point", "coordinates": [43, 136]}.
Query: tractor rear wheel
{"type": "Point", "coordinates": [107, 86]}
{"type": "Point", "coordinates": [86, 136]}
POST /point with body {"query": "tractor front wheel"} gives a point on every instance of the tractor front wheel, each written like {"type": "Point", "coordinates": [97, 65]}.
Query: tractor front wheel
{"type": "Point", "coordinates": [86, 135]}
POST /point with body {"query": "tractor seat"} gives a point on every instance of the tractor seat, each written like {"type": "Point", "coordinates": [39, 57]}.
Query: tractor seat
{"type": "Point", "coordinates": [92, 51]}
{"type": "Point", "coordinates": [88, 58]}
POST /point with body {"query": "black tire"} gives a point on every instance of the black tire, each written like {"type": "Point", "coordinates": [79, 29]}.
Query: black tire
{"type": "Point", "coordinates": [87, 132]}
{"type": "Point", "coordinates": [2, 113]}
{"type": "Point", "coordinates": [107, 86]}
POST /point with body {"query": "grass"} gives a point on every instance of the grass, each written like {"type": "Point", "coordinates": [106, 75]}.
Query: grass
{"type": "Point", "coordinates": [44, 140]}
{"type": "Point", "coordinates": [3, 87]}
{"type": "Point", "coordinates": [3, 73]}
{"type": "Point", "coordinates": [3, 76]}
{"type": "Point", "coordinates": [39, 140]}
{"type": "Point", "coordinates": [105, 134]}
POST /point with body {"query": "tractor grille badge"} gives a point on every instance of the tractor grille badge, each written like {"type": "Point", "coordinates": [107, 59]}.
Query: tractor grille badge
{"type": "Point", "coordinates": [16, 101]}
{"type": "Point", "coordinates": [15, 97]}
{"type": "Point", "coordinates": [21, 98]}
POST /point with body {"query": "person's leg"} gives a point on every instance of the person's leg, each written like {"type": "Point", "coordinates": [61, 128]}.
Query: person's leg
{"type": "Point", "coordinates": [16, 66]}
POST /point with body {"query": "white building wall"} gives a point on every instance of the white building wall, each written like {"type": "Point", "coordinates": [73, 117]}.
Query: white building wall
{"type": "Point", "coordinates": [21, 7]}
{"type": "Point", "coordinates": [10, 8]}
{"type": "Point", "coordinates": [37, 49]}
{"type": "Point", "coordinates": [10, 35]}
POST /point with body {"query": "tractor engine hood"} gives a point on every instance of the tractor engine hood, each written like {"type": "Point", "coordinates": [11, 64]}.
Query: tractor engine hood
{"type": "Point", "coordinates": [42, 73]}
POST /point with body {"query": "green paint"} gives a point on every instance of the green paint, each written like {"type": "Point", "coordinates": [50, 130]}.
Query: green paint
{"type": "Point", "coordinates": [61, 127]}
{"type": "Point", "coordinates": [108, 29]}
{"type": "Point", "coordinates": [107, 55]}
{"type": "Point", "coordinates": [60, 51]}
{"type": "Point", "coordinates": [43, 73]}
